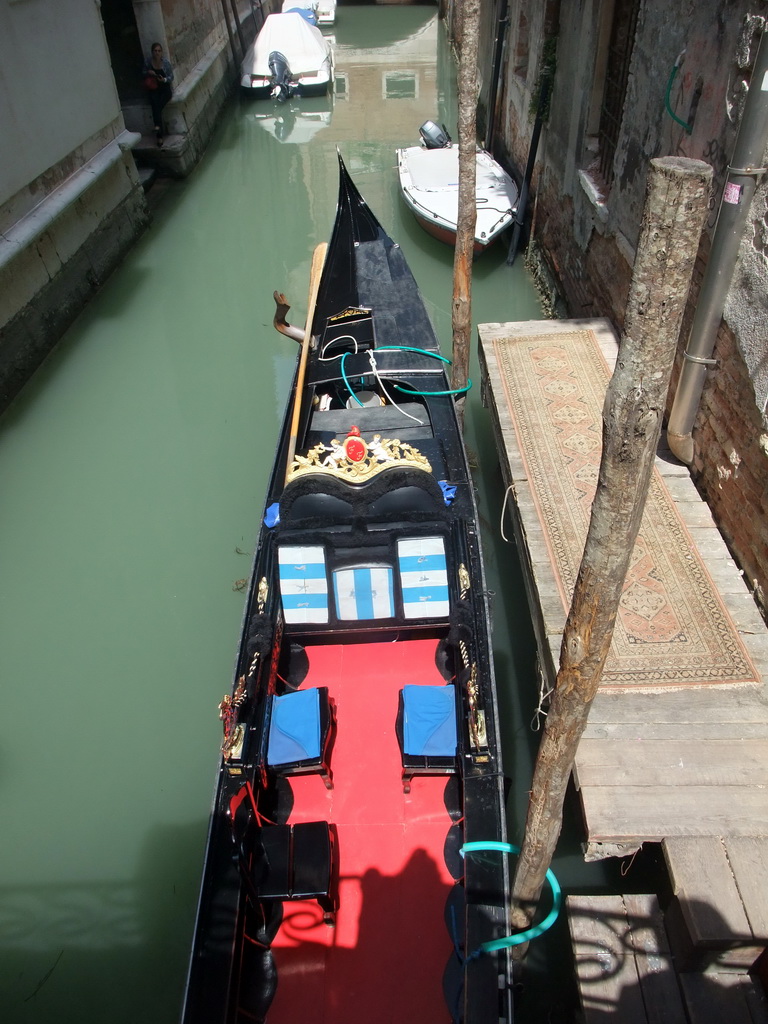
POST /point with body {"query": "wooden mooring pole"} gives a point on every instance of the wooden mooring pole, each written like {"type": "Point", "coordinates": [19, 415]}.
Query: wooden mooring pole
{"type": "Point", "coordinates": [461, 317]}
{"type": "Point", "coordinates": [675, 206]}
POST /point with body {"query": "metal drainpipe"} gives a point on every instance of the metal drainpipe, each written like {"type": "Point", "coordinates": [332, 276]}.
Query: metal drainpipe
{"type": "Point", "coordinates": [740, 185]}
{"type": "Point", "coordinates": [498, 48]}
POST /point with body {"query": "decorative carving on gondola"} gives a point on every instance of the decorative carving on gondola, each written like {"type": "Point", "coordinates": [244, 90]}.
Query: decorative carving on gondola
{"type": "Point", "coordinates": [261, 595]}
{"type": "Point", "coordinates": [464, 583]}
{"type": "Point", "coordinates": [356, 461]}
{"type": "Point", "coordinates": [234, 731]}
{"type": "Point", "coordinates": [477, 730]}
{"type": "Point", "coordinates": [350, 313]}
{"type": "Point", "coordinates": [478, 734]}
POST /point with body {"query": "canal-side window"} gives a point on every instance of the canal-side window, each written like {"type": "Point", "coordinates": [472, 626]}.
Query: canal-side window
{"type": "Point", "coordinates": [341, 86]}
{"type": "Point", "coordinates": [400, 85]}
{"type": "Point", "coordinates": [615, 39]}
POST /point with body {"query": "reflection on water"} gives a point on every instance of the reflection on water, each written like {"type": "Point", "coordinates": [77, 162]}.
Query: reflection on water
{"type": "Point", "coordinates": [297, 121]}
{"type": "Point", "coordinates": [133, 469]}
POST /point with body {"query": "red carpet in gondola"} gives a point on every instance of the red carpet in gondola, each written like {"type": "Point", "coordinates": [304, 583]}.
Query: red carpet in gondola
{"type": "Point", "coordinates": [389, 935]}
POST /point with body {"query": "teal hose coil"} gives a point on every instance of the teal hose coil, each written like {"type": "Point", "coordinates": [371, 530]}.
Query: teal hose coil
{"type": "Point", "coordinates": [408, 391]}
{"type": "Point", "coordinates": [530, 933]}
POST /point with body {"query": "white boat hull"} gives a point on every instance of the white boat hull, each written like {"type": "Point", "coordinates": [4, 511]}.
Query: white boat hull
{"type": "Point", "coordinates": [429, 182]}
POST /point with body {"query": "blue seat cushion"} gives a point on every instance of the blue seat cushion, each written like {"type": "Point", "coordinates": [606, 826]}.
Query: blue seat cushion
{"type": "Point", "coordinates": [294, 727]}
{"type": "Point", "coordinates": [429, 721]}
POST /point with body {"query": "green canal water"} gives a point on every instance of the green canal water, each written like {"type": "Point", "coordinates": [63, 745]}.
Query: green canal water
{"type": "Point", "coordinates": [133, 468]}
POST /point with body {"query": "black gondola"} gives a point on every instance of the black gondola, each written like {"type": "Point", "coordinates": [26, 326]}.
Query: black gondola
{"type": "Point", "coordinates": [361, 748]}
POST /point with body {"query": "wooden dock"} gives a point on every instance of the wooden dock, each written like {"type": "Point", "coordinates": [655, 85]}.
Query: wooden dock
{"type": "Point", "coordinates": [676, 748]}
{"type": "Point", "coordinates": [628, 971]}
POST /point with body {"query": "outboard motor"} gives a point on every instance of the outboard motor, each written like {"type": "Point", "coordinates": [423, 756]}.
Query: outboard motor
{"type": "Point", "coordinates": [433, 136]}
{"type": "Point", "coordinates": [282, 84]}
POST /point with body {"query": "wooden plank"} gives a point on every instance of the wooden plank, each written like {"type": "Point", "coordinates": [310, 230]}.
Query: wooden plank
{"type": "Point", "coordinates": [623, 813]}
{"type": "Point", "coordinates": [673, 762]}
{"type": "Point", "coordinates": [726, 707]}
{"type": "Point", "coordinates": [730, 998]}
{"type": "Point", "coordinates": [702, 731]}
{"type": "Point", "coordinates": [609, 987]}
{"type": "Point", "coordinates": [624, 968]}
{"type": "Point", "coordinates": [653, 960]}
{"type": "Point", "coordinates": [646, 924]}
{"type": "Point", "coordinates": [598, 926]}
{"type": "Point", "coordinates": [689, 957]}
{"type": "Point", "coordinates": [748, 858]}
{"type": "Point", "coordinates": [704, 885]}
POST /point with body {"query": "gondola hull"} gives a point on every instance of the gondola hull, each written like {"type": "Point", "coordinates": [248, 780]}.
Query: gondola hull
{"type": "Point", "coordinates": [361, 747]}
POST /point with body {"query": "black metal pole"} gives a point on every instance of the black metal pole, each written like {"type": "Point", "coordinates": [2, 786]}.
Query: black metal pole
{"type": "Point", "coordinates": [522, 202]}
{"type": "Point", "coordinates": [493, 98]}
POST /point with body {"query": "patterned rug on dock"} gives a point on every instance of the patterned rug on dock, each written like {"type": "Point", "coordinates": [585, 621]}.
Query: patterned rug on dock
{"type": "Point", "coordinates": [672, 629]}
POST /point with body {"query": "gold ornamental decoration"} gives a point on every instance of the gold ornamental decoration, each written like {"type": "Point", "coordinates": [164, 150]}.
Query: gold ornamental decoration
{"type": "Point", "coordinates": [464, 582]}
{"type": "Point", "coordinates": [234, 732]}
{"type": "Point", "coordinates": [477, 728]}
{"type": "Point", "coordinates": [356, 461]}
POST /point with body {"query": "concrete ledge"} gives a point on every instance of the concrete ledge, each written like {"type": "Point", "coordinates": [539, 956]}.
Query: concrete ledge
{"type": "Point", "coordinates": [35, 330]}
{"type": "Point", "coordinates": [28, 228]}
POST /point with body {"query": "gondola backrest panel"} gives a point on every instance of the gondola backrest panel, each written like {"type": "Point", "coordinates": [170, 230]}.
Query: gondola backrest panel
{"type": "Point", "coordinates": [405, 580]}
{"type": "Point", "coordinates": [303, 583]}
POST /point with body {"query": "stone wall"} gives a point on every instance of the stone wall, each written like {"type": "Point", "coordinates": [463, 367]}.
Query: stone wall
{"type": "Point", "coordinates": [687, 74]}
{"type": "Point", "coordinates": [55, 271]}
{"type": "Point", "coordinates": [71, 201]}
{"type": "Point", "coordinates": [731, 462]}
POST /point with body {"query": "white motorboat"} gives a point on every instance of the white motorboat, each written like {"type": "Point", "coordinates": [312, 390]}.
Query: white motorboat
{"type": "Point", "coordinates": [326, 12]}
{"type": "Point", "coordinates": [306, 8]}
{"type": "Point", "coordinates": [323, 11]}
{"type": "Point", "coordinates": [429, 182]}
{"type": "Point", "coordinates": [289, 57]}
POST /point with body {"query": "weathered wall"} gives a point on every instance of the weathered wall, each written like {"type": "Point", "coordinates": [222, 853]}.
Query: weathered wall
{"type": "Point", "coordinates": [70, 198]}
{"type": "Point", "coordinates": [192, 27]}
{"type": "Point", "coordinates": [585, 232]}
{"type": "Point", "coordinates": [51, 54]}
{"type": "Point", "coordinates": [196, 39]}
{"type": "Point", "coordinates": [71, 202]}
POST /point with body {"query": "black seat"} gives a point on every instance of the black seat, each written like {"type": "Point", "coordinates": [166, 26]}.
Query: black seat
{"type": "Point", "coordinates": [284, 862]}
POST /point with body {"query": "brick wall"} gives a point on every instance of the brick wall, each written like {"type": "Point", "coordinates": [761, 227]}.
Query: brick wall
{"type": "Point", "coordinates": [730, 465]}
{"type": "Point", "coordinates": [595, 281]}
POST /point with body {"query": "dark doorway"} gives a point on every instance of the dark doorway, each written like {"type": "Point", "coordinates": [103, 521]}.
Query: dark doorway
{"type": "Point", "coordinates": [124, 49]}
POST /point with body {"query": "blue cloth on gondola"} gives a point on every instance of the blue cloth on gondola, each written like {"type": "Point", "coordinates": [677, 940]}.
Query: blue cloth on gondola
{"type": "Point", "coordinates": [449, 491]}
{"type": "Point", "coordinates": [429, 720]}
{"type": "Point", "coordinates": [294, 728]}
{"type": "Point", "coordinates": [272, 515]}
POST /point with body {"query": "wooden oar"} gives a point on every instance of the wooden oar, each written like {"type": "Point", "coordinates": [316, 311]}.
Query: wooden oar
{"type": "Point", "coordinates": [318, 258]}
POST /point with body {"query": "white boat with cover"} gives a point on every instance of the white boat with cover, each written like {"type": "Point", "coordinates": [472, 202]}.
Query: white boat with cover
{"type": "Point", "coordinates": [324, 11]}
{"type": "Point", "coordinates": [289, 57]}
{"type": "Point", "coordinates": [429, 182]}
